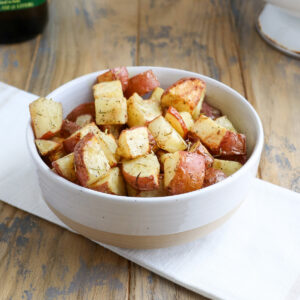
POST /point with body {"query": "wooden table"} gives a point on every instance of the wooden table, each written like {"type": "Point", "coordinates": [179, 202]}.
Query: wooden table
{"type": "Point", "coordinates": [39, 260]}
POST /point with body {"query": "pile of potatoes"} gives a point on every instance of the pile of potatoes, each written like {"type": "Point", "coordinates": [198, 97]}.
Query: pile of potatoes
{"type": "Point", "coordinates": [168, 142]}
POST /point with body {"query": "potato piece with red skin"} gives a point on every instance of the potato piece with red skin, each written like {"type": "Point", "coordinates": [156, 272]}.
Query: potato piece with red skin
{"type": "Point", "coordinates": [232, 144]}
{"type": "Point", "coordinates": [159, 192]}
{"type": "Point", "coordinates": [184, 172]}
{"type": "Point", "coordinates": [186, 94]}
{"type": "Point", "coordinates": [142, 84]}
{"type": "Point", "coordinates": [219, 140]}
{"type": "Point", "coordinates": [167, 138]}
{"type": "Point", "coordinates": [213, 176]}
{"type": "Point", "coordinates": [90, 161]}
{"type": "Point", "coordinates": [70, 142]}
{"type": "Point", "coordinates": [68, 128]}
{"type": "Point", "coordinates": [142, 172]}
{"type": "Point", "coordinates": [210, 111]}
{"type": "Point", "coordinates": [87, 108]}
{"type": "Point", "coordinates": [177, 122]}
{"type": "Point", "coordinates": [111, 183]}
{"type": "Point", "coordinates": [65, 167]}
{"type": "Point", "coordinates": [119, 73]}
{"type": "Point", "coordinates": [198, 147]}
{"type": "Point", "coordinates": [46, 118]}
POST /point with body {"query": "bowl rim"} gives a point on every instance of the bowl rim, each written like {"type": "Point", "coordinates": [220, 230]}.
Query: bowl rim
{"type": "Point", "coordinates": [256, 153]}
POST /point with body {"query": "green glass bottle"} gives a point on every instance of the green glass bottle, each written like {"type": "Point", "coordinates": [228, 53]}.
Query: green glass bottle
{"type": "Point", "coordinates": [21, 20]}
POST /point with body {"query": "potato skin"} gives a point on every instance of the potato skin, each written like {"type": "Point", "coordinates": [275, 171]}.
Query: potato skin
{"type": "Point", "coordinates": [175, 119]}
{"type": "Point", "coordinates": [210, 111]}
{"type": "Point", "coordinates": [189, 174]}
{"type": "Point", "coordinates": [68, 127]}
{"type": "Point", "coordinates": [119, 73]}
{"type": "Point", "coordinates": [87, 108]}
{"type": "Point", "coordinates": [200, 149]}
{"type": "Point", "coordinates": [213, 176]}
{"type": "Point", "coordinates": [152, 142]}
{"type": "Point", "coordinates": [135, 176]}
{"type": "Point", "coordinates": [81, 168]}
{"type": "Point", "coordinates": [142, 84]}
{"type": "Point", "coordinates": [232, 144]}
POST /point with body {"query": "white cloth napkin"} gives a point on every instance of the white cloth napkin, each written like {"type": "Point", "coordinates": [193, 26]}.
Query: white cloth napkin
{"type": "Point", "coordinates": [255, 255]}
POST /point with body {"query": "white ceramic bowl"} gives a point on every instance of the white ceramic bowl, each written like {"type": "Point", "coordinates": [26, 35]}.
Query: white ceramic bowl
{"type": "Point", "coordinates": [151, 222]}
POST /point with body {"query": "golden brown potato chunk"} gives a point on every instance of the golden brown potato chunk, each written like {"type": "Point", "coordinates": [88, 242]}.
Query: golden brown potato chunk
{"type": "Point", "coordinates": [184, 172]}
{"type": "Point", "coordinates": [46, 116]}
{"type": "Point", "coordinates": [186, 94]}
{"type": "Point", "coordinates": [142, 172]}
{"type": "Point", "coordinates": [111, 183]}
{"type": "Point", "coordinates": [90, 161]}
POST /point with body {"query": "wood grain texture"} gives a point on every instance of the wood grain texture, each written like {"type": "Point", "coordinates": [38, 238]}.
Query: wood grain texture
{"type": "Point", "coordinates": [39, 260]}
{"type": "Point", "coordinates": [272, 82]}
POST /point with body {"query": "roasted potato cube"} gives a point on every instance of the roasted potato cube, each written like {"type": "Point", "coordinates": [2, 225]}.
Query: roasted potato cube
{"type": "Point", "coordinates": [65, 167]}
{"type": "Point", "coordinates": [177, 122]}
{"type": "Point", "coordinates": [197, 147]}
{"type": "Point", "coordinates": [209, 132]}
{"type": "Point", "coordinates": [68, 128]}
{"type": "Point", "coordinates": [184, 172]}
{"type": "Point", "coordinates": [210, 111]}
{"type": "Point", "coordinates": [213, 176]}
{"type": "Point", "coordinates": [119, 73]}
{"type": "Point", "coordinates": [109, 89]}
{"type": "Point", "coordinates": [46, 116]}
{"type": "Point", "coordinates": [111, 183]}
{"type": "Point", "coordinates": [227, 166]}
{"type": "Point", "coordinates": [233, 144]}
{"type": "Point", "coordinates": [218, 139]}
{"type": "Point", "coordinates": [45, 146]}
{"type": "Point", "coordinates": [142, 84]}
{"type": "Point", "coordinates": [225, 122]}
{"type": "Point", "coordinates": [187, 118]}
{"type": "Point", "coordinates": [159, 192]}
{"type": "Point", "coordinates": [142, 172]}
{"type": "Point", "coordinates": [70, 142]}
{"type": "Point", "coordinates": [109, 147]}
{"type": "Point", "coordinates": [90, 161]}
{"type": "Point", "coordinates": [186, 94]}
{"type": "Point", "coordinates": [156, 94]}
{"type": "Point", "coordinates": [140, 111]}
{"type": "Point", "coordinates": [110, 105]}
{"type": "Point", "coordinates": [166, 136]}
{"type": "Point", "coordinates": [87, 108]}
{"type": "Point", "coordinates": [134, 142]}
{"type": "Point", "coordinates": [111, 111]}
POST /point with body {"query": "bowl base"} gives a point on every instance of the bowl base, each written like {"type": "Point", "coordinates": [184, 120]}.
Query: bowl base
{"type": "Point", "coordinates": [142, 242]}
